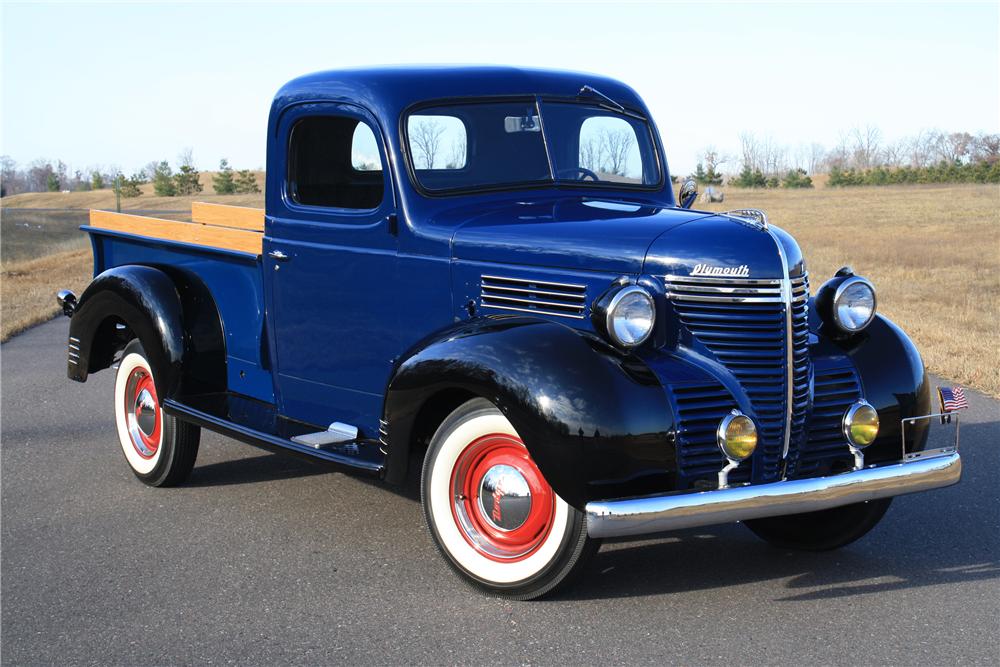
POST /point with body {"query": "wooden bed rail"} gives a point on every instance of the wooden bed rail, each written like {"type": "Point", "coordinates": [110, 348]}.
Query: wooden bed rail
{"type": "Point", "coordinates": [213, 226]}
{"type": "Point", "coordinates": [223, 215]}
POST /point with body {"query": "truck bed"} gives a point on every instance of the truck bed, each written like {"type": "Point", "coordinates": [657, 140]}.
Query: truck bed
{"type": "Point", "coordinates": [221, 247]}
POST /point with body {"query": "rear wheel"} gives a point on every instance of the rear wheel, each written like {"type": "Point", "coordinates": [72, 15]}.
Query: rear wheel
{"type": "Point", "coordinates": [491, 512]}
{"type": "Point", "coordinates": [821, 531]}
{"type": "Point", "coordinates": [160, 449]}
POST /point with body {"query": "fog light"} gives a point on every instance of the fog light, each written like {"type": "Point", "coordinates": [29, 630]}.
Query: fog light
{"type": "Point", "coordinates": [737, 436]}
{"type": "Point", "coordinates": [861, 424]}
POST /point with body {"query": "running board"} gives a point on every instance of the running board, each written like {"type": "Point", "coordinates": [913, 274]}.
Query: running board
{"type": "Point", "coordinates": [257, 424]}
{"type": "Point", "coordinates": [336, 434]}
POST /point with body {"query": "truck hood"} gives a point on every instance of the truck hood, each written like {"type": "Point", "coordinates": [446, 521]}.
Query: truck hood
{"type": "Point", "coordinates": [584, 234]}
{"type": "Point", "coordinates": [724, 247]}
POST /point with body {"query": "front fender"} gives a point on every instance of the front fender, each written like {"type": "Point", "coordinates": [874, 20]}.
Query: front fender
{"type": "Point", "coordinates": [894, 381]}
{"type": "Point", "coordinates": [594, 419]}
{"type": "Point", "coordinates": [146, 301]}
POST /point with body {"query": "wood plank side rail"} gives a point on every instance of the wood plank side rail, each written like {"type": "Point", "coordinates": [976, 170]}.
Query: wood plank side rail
{"type": "Point", "coordinates": [209, 236]}
{"type": "Point", "coordinates": [222, 215]}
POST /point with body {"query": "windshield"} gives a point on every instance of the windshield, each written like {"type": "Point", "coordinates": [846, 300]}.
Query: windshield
{"type": "Point", "coordinates": [474, 145]}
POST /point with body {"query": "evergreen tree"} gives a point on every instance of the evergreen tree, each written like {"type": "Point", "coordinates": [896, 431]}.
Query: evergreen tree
{"type": "Point", "coordinates": [53, 182]}
{"type": "Point", "coordinates": [712, 177]}
{"type": "Point", "coordinates": [246, 182]}
{"type": "Point", "coordinates": [163, 180]}
{"type": "Point", "coordinates": [129, 187]}
{"type": "Point", "coordinates": [222, 182]}
{"type": "Point", "coordinates": [96, 181]}
{"type": "Point", "coordinates": [699, 175]}
{"type": "Point", "coordinates": [796, 178]}
{"type": "Point", "coordinates": [187, 181]}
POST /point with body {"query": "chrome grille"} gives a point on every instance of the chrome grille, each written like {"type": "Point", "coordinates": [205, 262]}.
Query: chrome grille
{"type": "Point", "coordinates": [533, 296]}
{"type": "Point", "coordinates": [742, 323]}
{"type": "Point", "coordinates": [836, 387]}
{"type": "Point", "coordinates": [699, 408]}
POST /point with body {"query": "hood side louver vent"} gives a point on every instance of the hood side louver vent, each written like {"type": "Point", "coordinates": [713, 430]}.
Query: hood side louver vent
{"type": "Point", "coordinates": [533, 296]}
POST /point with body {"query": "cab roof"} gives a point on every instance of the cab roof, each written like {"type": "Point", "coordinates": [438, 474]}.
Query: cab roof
{"type": "Point", "coordinates": [391, 89]}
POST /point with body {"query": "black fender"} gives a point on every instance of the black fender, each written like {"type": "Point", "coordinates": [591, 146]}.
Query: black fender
{"type": "Point", "coordinates": [894, 381]}
{"type": "Point", "coordinates": [595, 420]}
{"type": "Point", "coordinates": [171, 313]}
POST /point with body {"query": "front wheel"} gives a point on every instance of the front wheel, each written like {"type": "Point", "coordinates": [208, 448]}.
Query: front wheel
{"type": "Point", "coordinates": [159, 448]}
{"type": "Point", "coordinates": [491, 512]}
{"type": "Point", "coordinates": [821, 531]}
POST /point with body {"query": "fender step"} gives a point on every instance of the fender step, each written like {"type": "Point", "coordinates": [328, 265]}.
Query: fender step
{"type": "Point", "coordinates": [257, 423]}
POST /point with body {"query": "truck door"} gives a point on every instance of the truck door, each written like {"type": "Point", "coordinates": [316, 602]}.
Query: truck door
{"type": "Point", "coordinates": [330, 263]}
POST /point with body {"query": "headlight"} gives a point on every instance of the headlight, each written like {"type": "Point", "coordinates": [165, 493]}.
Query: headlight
{"type": "Point", "coordinates": [861, 424]}
{"type": "Point", "coordinates": [630, 316]}
{"type": "Point", "coordinates": [854, 304]}
{"type": "Point", "coordinates": [736, 436]}
{"type": "Point", "coordinates": [846, 302]}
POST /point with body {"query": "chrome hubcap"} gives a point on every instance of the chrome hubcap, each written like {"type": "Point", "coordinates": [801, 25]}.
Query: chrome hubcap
{"type": "Point", "coordinates": [504, 497]}
{"type": "Point", "coordinates": [145, 412]}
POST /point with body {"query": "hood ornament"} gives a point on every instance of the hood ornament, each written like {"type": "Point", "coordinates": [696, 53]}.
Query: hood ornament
{"type": "Point", "coordinates": [752, 216]}
{"type": "Point", "coordinates": [741, 271]}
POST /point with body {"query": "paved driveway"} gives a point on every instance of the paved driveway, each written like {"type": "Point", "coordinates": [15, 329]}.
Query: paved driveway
{"type": "Point", "coordinates": [264, 559]}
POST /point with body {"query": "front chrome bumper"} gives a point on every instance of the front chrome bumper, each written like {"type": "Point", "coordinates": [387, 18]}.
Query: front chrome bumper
{"type": "Point", "coordinates": [652, 514]}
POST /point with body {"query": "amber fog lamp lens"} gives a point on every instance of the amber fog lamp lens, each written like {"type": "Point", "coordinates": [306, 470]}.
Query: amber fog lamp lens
{"type": "Point", "coordinates": [861, 424]}
{"type": "Point", "coordinates": [737, 436]}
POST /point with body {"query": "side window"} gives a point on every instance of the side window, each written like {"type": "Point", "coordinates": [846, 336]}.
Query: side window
{"type": "Point", "coordinates": [333, 161]}
{"type": "Point", "coordinates": [364, 150]}
{"type": "Point", "coordinates": [608, 148]}
{"type": "Point", "coordinates": [437, 142]}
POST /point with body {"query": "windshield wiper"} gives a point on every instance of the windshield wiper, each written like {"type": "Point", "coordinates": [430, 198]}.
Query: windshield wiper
{"type": "Point", "coordinates": [607, 102]}
{"type": "Point", "coordinates": [590, 91]}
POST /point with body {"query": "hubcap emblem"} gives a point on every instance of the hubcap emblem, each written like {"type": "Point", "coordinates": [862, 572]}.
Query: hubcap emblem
{"type": "Point", "coordinates": [504, 497]}
{"type": "Point", "coordinates": [145, 412]}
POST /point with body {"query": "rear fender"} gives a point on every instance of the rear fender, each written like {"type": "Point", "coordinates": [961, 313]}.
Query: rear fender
{"type": "Point", "coordinates": [594, 419]}
{"type": "Point", "coordinates": [154, 307]}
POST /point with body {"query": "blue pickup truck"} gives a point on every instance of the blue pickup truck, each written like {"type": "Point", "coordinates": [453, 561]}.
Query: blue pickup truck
{"type": "Point", "coordinates": [483, 275]}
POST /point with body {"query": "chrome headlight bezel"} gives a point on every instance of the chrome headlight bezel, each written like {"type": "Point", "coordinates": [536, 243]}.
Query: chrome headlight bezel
{"type": "Point", "coordinates": [839, 294]}
{"type": "Point", "coordinates": [829, 296]}
{"type": "Point", "coordinates": [615, 302]}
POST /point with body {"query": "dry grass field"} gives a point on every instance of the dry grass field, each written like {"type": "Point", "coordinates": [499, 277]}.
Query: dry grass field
{"type": "Point", "coordinates": [933, 253]}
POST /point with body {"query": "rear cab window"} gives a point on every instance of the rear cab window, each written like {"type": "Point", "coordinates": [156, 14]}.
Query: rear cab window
{"type": "Point", "coordinates": [334, 162]}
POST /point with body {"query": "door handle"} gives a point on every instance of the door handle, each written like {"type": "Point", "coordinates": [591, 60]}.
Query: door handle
{"type": "Point", "coordinates": [277, 255]}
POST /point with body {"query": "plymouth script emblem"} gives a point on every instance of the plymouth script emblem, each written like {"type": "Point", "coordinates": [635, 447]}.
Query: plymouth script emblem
{"type": "Point", "coordinates": [741, 271]}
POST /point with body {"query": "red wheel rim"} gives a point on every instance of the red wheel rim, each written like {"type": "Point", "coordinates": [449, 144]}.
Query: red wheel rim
{"type": "Point", "coordinates": [142, 412]}
{"type": "Point", "coordinates": [502, 505]}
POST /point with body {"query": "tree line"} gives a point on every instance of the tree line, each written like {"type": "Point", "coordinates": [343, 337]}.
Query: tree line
{"type": "Point", "coordinates": [44, 176]}
{"type": "Point", "coordinates": [861, 157]}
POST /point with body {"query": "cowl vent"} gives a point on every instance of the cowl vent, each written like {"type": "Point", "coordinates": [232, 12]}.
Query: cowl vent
{"type": "Point", "coordinates": [533, 296]}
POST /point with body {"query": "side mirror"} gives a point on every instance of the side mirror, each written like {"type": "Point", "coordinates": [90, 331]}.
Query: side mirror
{"type": "Point", "coordinates": [688, 193]}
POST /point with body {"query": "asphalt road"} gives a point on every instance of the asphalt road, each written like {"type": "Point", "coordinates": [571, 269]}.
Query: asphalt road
{"type": "Point", "coordinates": [267, 559]}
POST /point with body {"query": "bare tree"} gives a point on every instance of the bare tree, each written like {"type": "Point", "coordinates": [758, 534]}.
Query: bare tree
{"type": "Point", "coordinates": [749, 151]}
{"type": "Point", "coordinates": [894, 154]}
{"type": "Point", "coordinates": [952, 147]}
{"type": "Point", "coordinates": [592, 154]}
{"type": "Point", "coordinates": [426, 134]}
{"type": "Point", "coordinates": [458, 153]}
{"type": "Point", "coordinates": [816, 156]}
{"type": "Point", "coordinates": [985, 148]}
{"type": "Point", "coordinates": [866, 145]}
{"type": "Point", "coordinates": [617, 146]}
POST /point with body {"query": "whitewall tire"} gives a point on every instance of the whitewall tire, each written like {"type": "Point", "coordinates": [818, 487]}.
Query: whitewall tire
{"type": "Point", "coordinates": [491, 512]}
{"type": "Point", "coordinates": [159, 449]}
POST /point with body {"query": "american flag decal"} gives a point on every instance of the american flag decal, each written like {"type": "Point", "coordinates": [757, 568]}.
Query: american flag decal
{"type": "Point", "coordinates": [952, 399]}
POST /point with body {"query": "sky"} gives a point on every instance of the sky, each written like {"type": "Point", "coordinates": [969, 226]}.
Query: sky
{"type": "Point", "coordinates": [126, 83]}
